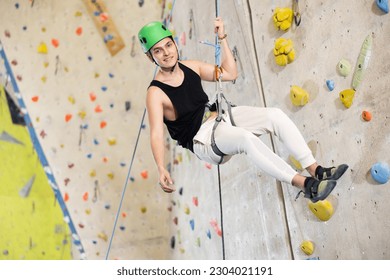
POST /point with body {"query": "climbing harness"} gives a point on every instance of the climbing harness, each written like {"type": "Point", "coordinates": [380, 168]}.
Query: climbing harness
{"type": "Point", "coordinates": [217, 105]}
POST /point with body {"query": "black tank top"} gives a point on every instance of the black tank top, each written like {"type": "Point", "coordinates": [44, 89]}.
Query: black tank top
{"type": "Point", "coordinates": [189, 100]}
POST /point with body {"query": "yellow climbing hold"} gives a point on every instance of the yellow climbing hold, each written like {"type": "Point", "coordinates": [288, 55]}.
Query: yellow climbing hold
{"type": "Point", "coordinates": [307, 247]}
{"type": "Point", "coordinates": [295, 162]}
{"type": "Point", "coordinates": [322, 209]}
{"type": "Point", "coordinates": [291, 56]}
{"type": "Point", "coordinates": [103, 236]}
{"type": "Point", "coordinates": [346, 97]}
{"type": "Point", "coordinates": [82, 114]}
{"type": "Point", "coordinates": [111, 141]}
{"type": "Point", "coordinates": [281, 60]}
{"type": "Point", "coordinates": [71, 99]}
{"type": "Point", "coordinates": [110, 175]}
{"type": "Point", "coordinates": [283, 18]}
{"type": "Point", "coordinates": [298, 96]}
{"type": "Point", "coordinates": [92, 173]}
{"type": "Point", "coordinates": [42, 48]}
{"type": "Point", "coordinates": [284, 51]}
{"type": "Point", "coordinates": [198, 242]}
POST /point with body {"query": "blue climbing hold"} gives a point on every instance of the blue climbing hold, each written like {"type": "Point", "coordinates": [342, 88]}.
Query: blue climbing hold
{"type": "Point", "coordinates": [192, 224]}
{"type": "Point", "coordinates": [330, 84]}
{"type": "Point", "coordinates": [383, 5]}
{"type": "Point", "coordinates": [380, 172]}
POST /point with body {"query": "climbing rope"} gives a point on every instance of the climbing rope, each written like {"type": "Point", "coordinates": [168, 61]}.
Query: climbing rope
{"type": "Point", "coordinates": [218, 65]}
{"type": "Point", "coordinates": [217, 101]}
{"type": "Point", "coordinates": [132, 159]}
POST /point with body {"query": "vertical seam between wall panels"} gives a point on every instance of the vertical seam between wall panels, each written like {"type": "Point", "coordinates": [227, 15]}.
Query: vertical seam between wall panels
{"type": "Point", "coordinates": [278, 184]}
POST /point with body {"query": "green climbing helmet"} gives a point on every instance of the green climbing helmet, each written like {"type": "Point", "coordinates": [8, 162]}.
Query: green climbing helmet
{"type": "Point", "coordinates": [151, 34]}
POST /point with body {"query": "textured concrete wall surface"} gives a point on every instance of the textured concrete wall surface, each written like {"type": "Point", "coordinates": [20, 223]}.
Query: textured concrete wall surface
{"type": "Point", "coordinates": [86, 105]}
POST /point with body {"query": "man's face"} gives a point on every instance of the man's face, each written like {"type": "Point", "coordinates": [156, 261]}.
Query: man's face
{"type": "Point", "coordinates": [164, 53]}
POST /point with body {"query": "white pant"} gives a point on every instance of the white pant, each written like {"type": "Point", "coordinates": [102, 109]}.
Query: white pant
{"type": "Point", "coordinates": [251, 122]}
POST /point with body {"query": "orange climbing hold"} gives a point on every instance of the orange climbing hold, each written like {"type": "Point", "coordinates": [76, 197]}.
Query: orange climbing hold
{"type": "Point", "coordinates": [103, 17]}
{"type": "Point", "coordinates": [144, 174]}
{"type": "Point", "coordinates": [79, 31]}
{"type": "Point", "coordinates": [35, 98]}
{"type": "Point", "coordinates": [92, 96]}
{"type": "Point", "coordinates": [68, 117]}
{"type": "Point", "coordinates": [85, 196]}
{"type": "Point", "coordinates": [103, 124]}
{"type": "Point", "coordinates": [98, 109]}
{"type": "Point", "coordinates": [366, 116]}
{"type": "Point", "coordinates": [55, 43]}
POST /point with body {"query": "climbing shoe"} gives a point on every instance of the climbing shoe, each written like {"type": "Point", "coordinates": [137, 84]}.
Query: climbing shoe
{"type": "Point", "coordinates": [317, 190]}
{"type": "Point", "coordinates": [330, 173]}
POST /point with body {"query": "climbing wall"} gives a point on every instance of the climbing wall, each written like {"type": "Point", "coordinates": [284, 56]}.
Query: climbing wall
{"type": "Point", "coordinates": [86, 104]}
{"type": "Point", "coordinates": [329, 33]}
{"type": "Point", "coordinates": [260, 219]}
{"type": "Point", "coordinates": [83, 76]}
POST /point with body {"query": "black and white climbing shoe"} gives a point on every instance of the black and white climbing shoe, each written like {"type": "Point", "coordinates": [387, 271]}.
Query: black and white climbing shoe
{"type": "Point", "coordinates": [330, 173]}
{"type": "Point", "coordinates": [317, 190]}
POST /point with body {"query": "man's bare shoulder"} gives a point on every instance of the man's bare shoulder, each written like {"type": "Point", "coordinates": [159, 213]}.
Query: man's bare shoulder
{"type": "Point", "coordinates": [193, 64]}
{"type": "Point", "coordinates": [152, 92]}
{"type": "Point", "coordinates": [203, 69]}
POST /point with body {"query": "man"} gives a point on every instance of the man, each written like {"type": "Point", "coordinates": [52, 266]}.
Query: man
{"type": "Point", "coordinates": [176, 98]}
